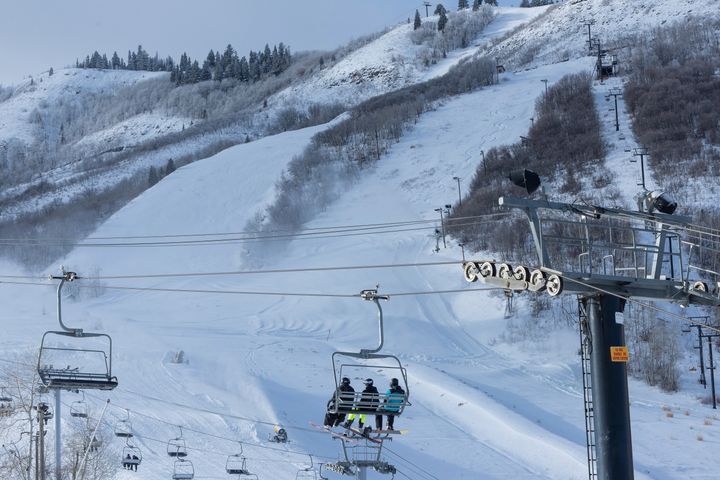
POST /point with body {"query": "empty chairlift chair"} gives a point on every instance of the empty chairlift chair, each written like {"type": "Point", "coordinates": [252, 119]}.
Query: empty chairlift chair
{"type": "Point", "coordinates": [72, 359]}
{"type": "Point", "coordinates": [183, 469]}
{"type": "Point", "coordinates": [237, 465]}
{"type": "Point", "coordinates": [79, 408]}
{"type": "Point", "coordinates": [123, 427]}
{"type": "Point", "coordinates": [176, 447]}
{"type": "Point", "coordinates": [308, 473]}
{"type": "Point", "coordinates": [7, 404]}
{"type": "Point", "coordinates": [366, 364]}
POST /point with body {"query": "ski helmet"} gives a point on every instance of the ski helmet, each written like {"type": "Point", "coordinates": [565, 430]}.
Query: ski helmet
{"type": "Point", "coordinates": [368, 381]}
{"type": "Point", "coordinates": [394, 382]}
{"type": "Point", "coordinates": [345, 381]}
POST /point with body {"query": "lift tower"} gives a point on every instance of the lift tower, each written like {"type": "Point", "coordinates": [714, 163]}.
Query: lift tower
{"type": "Point", "coordinates": [605, 256]}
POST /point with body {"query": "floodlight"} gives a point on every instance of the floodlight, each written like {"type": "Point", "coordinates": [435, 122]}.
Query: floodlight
{"type": "Point", "coordinates": [526, 179]}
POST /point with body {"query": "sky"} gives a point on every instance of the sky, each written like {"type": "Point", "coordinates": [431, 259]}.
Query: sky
{"type": "Point", "coordinates": [38, 34]}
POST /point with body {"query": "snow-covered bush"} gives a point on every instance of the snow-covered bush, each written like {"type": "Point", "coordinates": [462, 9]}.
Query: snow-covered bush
{"type": "Point", "coordinates": [565, 138]}
{"type": "Point", "coordinates": [461, 29]}
{"type": "Point", "coordinates": [653, 347]}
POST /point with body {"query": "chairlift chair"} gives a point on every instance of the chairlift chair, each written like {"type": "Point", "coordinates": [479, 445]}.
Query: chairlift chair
{"type": "Point", "coordinates": [4, 397]}
{"type": "Point", "coordinates": [74, 367]}
{"type": "Point", "coordinates": [176, 447]}
{"type": "Point", "coordinates": [123, 427]}
{"type": "Point", "coordinates": [131, 455]}
{"type": "Point", "coordinates": [95, 443]}
{"type": "Point", "coordinates": [235, 465]}
{"type": "Point", "coordinates": [7, 404]}
{"type": "Point", "coordinates": [367, 363]}
{"type": "Point", "coordinates": [183, 469]}
{"type": "Point", "coordinates": [308, 473]}
{"type": "Point", "coordinates": [79, 408]}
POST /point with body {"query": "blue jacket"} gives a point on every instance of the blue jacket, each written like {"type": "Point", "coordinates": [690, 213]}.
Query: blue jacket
{"type": "Point", "coordinates": [394, 399]}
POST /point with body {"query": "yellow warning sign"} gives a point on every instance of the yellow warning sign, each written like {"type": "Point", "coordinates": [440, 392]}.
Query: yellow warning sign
{"type": "Point", "coordinates": [619, 354]}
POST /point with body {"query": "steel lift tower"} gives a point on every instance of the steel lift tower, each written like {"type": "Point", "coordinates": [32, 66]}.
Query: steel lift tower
{"type": "Point", "coordinates": [606, 256]}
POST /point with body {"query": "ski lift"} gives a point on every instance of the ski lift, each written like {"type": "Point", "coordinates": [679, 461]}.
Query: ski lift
{"type": "Point", "coordinates": [176, 447]}
{"type": "Point", "coordinates": [123, 427]}
{"type": "Point", "coordinates": [79, 408]}
{"type": "Point", "coordinates": [95, 444]}
{"type": "Point", "coordinates": [183, 470]}
{"type": "Point", "coordinates": [131, 455]}
{"type": "Point", "coordinates": [7, 404]}
{"type": "Point", "coordinates": [237, 465]}
{"type": "Point", "coordinates": [308, 473]}
{"type": "Point", "coordinates": [74, 367]}
{"type": "Point", "coordinates": [363, 365]}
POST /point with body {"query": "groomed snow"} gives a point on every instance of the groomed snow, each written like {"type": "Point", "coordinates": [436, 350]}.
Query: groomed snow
{"type": "Point", "coordinates": [482, 409]}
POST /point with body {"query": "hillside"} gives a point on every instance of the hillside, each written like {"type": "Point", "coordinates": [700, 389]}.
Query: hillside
{"type": "Point", "coordinates": [258, 317]}
{"type": "Point", "coordinates": [55, 165]}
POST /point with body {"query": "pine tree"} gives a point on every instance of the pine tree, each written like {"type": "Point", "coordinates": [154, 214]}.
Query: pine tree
{"type": "Point", "coordinates": [418, 21]}
{"type": "Point", "coordinates": [476, 5]}
{"type": "Point", "coordinates": [153, 177]}
{"type": "Point", "coordinates": [205, 73]}
{"type": "Point", "coordinates": [244, 70]}
{"type": "Point", "coordinates": [462, 4]}
{"type": "Point", "coordinates": [442, 22]}
{"type": "Point", "coordinates": [50, 72]}
{"type": "Point", "coordinates": [440, 9]}
{"type": "Point", "coordinates": [169, 166]}
{"type": "Point", "coordinates": [266, 59]}
{"type": "Point", "coordinates": [493, 2]}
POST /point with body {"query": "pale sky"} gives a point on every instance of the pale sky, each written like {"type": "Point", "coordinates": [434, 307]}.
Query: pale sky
{"type": "Point", "coordinates": [38, 34]}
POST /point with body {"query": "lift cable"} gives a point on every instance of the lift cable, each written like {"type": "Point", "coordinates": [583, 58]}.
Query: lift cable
{"type": "Point", "coordinates": [412, 465]}
{"type": "Point", "coordinates": [362, 226]}
{"type": "Point", "coordinates": [238, 417]}
{"type": "Point", "coordinates": [220, 414]}
{"type": "Point", "coordinates": [215, 452]}
{"type": "Point", "coordinates": [245, 272]}
{"type": "Point", "coordinates": [261, 293]}
{"type": "Point", "coordinates": [237, 240]}
{"type": "Point", "coordinates": [421, 471]}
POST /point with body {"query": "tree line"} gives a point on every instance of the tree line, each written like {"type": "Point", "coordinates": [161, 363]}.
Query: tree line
{"type": "Point", "coordinates": [216, 66]}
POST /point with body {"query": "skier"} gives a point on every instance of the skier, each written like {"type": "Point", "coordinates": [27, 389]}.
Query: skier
{"type": "Point", "coordinates": [346, 394]}
{"type": "Point", "coordinates": [394, 398]}
{"type": "Point", "coordinates": [369, 400]}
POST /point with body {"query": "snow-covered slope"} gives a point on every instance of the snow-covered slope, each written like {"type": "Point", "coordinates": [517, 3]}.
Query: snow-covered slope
{"type": "Point", "coordinates": [64, 85]}
{"type": "Point", "coordinates": [391, 62]}
{"type": "Point", "coordinates": [562, 33]}
{"type": "Point", "coordinates": [481, 409]}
